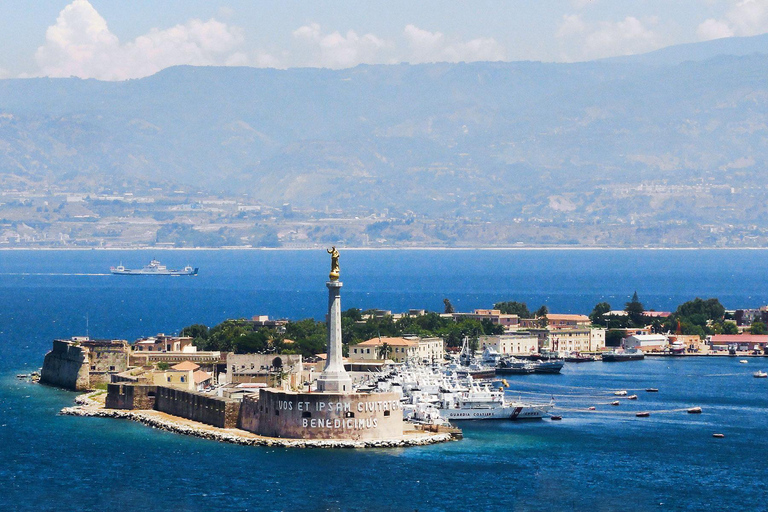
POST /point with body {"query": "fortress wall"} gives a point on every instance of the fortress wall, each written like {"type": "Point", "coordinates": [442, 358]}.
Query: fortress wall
{"type": "Point", "coordinates": [66, 366]}
{"type": "Point", "coordinates": [354, 416]}
{"type": "Point", "coordinates": [130, 396]}
{"type": "Point", "coordinates": [219, 412]}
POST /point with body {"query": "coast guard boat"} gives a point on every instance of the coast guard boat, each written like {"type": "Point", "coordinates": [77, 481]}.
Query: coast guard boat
{"type": "Point", "coordinates": [155, 268]}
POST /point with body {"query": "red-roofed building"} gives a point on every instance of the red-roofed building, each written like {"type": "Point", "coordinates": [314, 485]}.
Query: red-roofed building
{"type": "Point", "coordinates": [741, 342]}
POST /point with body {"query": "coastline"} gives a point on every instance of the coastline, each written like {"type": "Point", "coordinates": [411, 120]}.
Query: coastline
{"type": "Point", "coordinates": [88, 407]}
{"type": "Point", "coordinates": [383, 249]}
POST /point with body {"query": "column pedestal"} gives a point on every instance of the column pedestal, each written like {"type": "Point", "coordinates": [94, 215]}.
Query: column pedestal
{"type": "Point", "coordinates": [334, 378]}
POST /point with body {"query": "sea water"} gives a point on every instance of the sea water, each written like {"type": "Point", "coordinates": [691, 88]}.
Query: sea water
{"type": "Point", "coordinates": [606, 459]}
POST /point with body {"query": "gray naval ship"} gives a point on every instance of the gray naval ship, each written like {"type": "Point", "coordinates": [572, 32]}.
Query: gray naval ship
{"type": "Point", "coordinates": [155, 268]}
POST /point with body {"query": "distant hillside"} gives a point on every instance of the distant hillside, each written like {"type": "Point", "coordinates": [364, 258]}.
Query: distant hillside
{"type": "Point", "coordinates": [483, 139]}
{"type": "Point", "coordinates": [731, 46]}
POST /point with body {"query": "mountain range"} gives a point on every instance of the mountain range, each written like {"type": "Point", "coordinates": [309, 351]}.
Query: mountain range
{"type": "Point", "coordinates": [485, 140]}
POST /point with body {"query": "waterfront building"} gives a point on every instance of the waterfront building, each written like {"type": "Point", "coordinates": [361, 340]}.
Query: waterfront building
{"type": "Point", "coordinates": [264, 369]}
{"type": "Point", "coordinates": [495, 316]}
{"type": "Point", "coordinates": [399, 349]}
{"type": "Point", "coordinates": [587, 339]}
{"type": "Point", "coordinates": [509, 344]}
{"type": "Point", "coordinates": [163, 343]}
{"type": "Point", "coordinates": [646, 342]}
{"type": "Point", "coordinates": [740, 342]}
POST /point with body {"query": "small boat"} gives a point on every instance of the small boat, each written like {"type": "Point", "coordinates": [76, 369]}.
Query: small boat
{"type": "Point", "coordinates": [592, 408]}
{"type": "Point", "coordinates": [644, 414]}
{"type": "Point", "coordinates": [694, 410]}
{"type": "Point", "coordinates": [632, 397]}
{"type": "Point", "coordinates": [22, 376]}
{"type": "Point", "coordinates": [759, 374]}
{"type": "Point", "coordinates": [548, 366]}
{"type": "Point", "coordinates": [623, 355]}
{"type": "Point", "coordinates": [719, 436]}
{"type": "Point", "coordinates": [651, 390]}
{"type": "Point", "coordinates": [620, 393]}
{"type": "Point", "coordinates": [743, 361]}
{"type": "Point", "coordinates": [615, 403]}
{"type": "Point", "coordinates": [555, 418]}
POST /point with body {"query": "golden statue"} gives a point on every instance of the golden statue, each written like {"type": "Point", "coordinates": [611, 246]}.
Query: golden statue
{"type": "Point", "coordinates": [334, 275]}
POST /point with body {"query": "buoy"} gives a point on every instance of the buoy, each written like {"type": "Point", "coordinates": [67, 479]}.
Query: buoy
{"type": "Point", "coordinates": [555, 418]}
{"type": "Point", "coordinates": [643, 414]}
{"type": "Point", "coordinates": [615, 403]}
{"type": "Point", "coordinates": [694, 410]}
{"type": "Point", "coordinates": [718, 435]}
{"type": "Point", "coordinates": [591, 408]}
{"type": "Point", "coordinates": [632, 397]}
{"type": "Point", "coordinates": [620, 393]}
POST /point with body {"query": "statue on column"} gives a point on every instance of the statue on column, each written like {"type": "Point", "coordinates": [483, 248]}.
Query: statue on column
{"type": "Point", "coordinates": [334, 275]}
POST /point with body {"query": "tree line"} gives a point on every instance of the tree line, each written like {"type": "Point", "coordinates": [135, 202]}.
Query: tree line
{"type": "Point", "coordinates": [699, 317]}
{"type": "Point", "coordinates": [309, 337]}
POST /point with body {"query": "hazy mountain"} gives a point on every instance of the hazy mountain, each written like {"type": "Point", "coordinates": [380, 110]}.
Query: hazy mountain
{"type": "Point", "coordinates": [437, 139]}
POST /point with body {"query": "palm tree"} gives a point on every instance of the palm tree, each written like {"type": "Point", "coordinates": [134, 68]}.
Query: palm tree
{"type": "Point", "coordinates": [384, 350]}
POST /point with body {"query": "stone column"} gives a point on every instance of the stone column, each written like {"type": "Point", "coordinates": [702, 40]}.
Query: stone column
{"type": "Point", "coordinates": [334, 378]}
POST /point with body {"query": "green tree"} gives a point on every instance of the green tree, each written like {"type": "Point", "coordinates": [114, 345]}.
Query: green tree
{"type": "Point", "coordinates": [635, 310]}
{"type": "Point", "coordinates": [758, 327]}
{"type": "Point", "coordinates": [384, 350]}
{"type": "Point", "coordinates": [613, 338]}
{"type": "Point", "coordinates": [730, 328]}
{"type": "Point", "coordinates": [541, 314]}
{"type": "Point", "coordinates": [513, 308]}
{"type": "Point", "coordinates": [598, 313]}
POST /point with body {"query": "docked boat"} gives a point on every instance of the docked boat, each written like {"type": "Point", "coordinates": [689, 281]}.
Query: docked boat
{"type": "Point", "coordinates": [454, 397]}
{"type": "Point", "coordinates": [154, 268]}
{"type": "Point", "coordinates": [548, 366]}
{"type": "Point", "coordinates": [623, 355]}
{"type": "Point", "coordinates": [514, 366]}
{"type": "Point", "coordinates": [576, 357]}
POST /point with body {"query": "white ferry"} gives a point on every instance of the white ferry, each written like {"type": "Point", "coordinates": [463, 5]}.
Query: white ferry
{"type": "Point", "coordinates": [155, 268]}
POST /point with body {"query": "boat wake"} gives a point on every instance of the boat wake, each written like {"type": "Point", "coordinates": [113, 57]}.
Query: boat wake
{"type": "Point", "coordinates": [50, 274]}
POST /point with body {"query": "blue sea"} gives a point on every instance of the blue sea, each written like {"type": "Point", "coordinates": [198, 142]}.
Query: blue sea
{"type": "Point", "coordinates": [607, 459]}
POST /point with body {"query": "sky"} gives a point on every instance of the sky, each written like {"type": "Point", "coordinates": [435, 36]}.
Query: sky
{"type": "Point", "coordinates": [119, 40]}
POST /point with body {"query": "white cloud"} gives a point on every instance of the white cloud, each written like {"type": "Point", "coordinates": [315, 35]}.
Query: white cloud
{"type": "Point", "coordinates": [572, 25]}
{"type": "Point", "coordinates": [604, 39]}
{"type": "Point", "coordinates": [80, 44]}
{"type": "Point", "coordinates": [713, 29]}
{"type": "Point", "coordinates": [335, 50]}
{"type": "Point", "coordinates": [744, 18]}
{"type": "Point", "coordinates": [426, 46]}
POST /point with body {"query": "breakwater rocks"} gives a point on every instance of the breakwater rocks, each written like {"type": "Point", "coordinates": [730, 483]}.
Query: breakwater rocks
{"type": "Point", "coordinates": [91, 408]}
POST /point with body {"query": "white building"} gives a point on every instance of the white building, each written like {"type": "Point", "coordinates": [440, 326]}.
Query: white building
{"type": "Point", "coordinates": [646, 341]}
{"type": "Point", "coordinates": [399, 350]}
{"type": "Point", "coordinates": [509, 344]}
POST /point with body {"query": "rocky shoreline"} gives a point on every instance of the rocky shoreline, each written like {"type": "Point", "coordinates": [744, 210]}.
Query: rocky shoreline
{"type": "Point", "coordinates": [88, 407]}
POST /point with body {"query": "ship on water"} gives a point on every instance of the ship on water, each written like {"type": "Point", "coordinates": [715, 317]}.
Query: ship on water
{"type": "Point", "coordinates": [154, 268]}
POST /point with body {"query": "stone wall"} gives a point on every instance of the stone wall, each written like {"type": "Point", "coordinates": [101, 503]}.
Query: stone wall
{"type": "Point", "coordinates": [130, 396]}
{"type": "Point", "coordinates": [66, 366]}
{"type": "Point", "coordinates": [211, 410]}
{"type": "Point", "coordinates": [219, 412]}
{"type": "Point", "coordinates": [354, 416]}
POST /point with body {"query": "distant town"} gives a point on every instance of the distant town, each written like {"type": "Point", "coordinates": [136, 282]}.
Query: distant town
{"type": "Point", "coordinates": [36, 216]}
